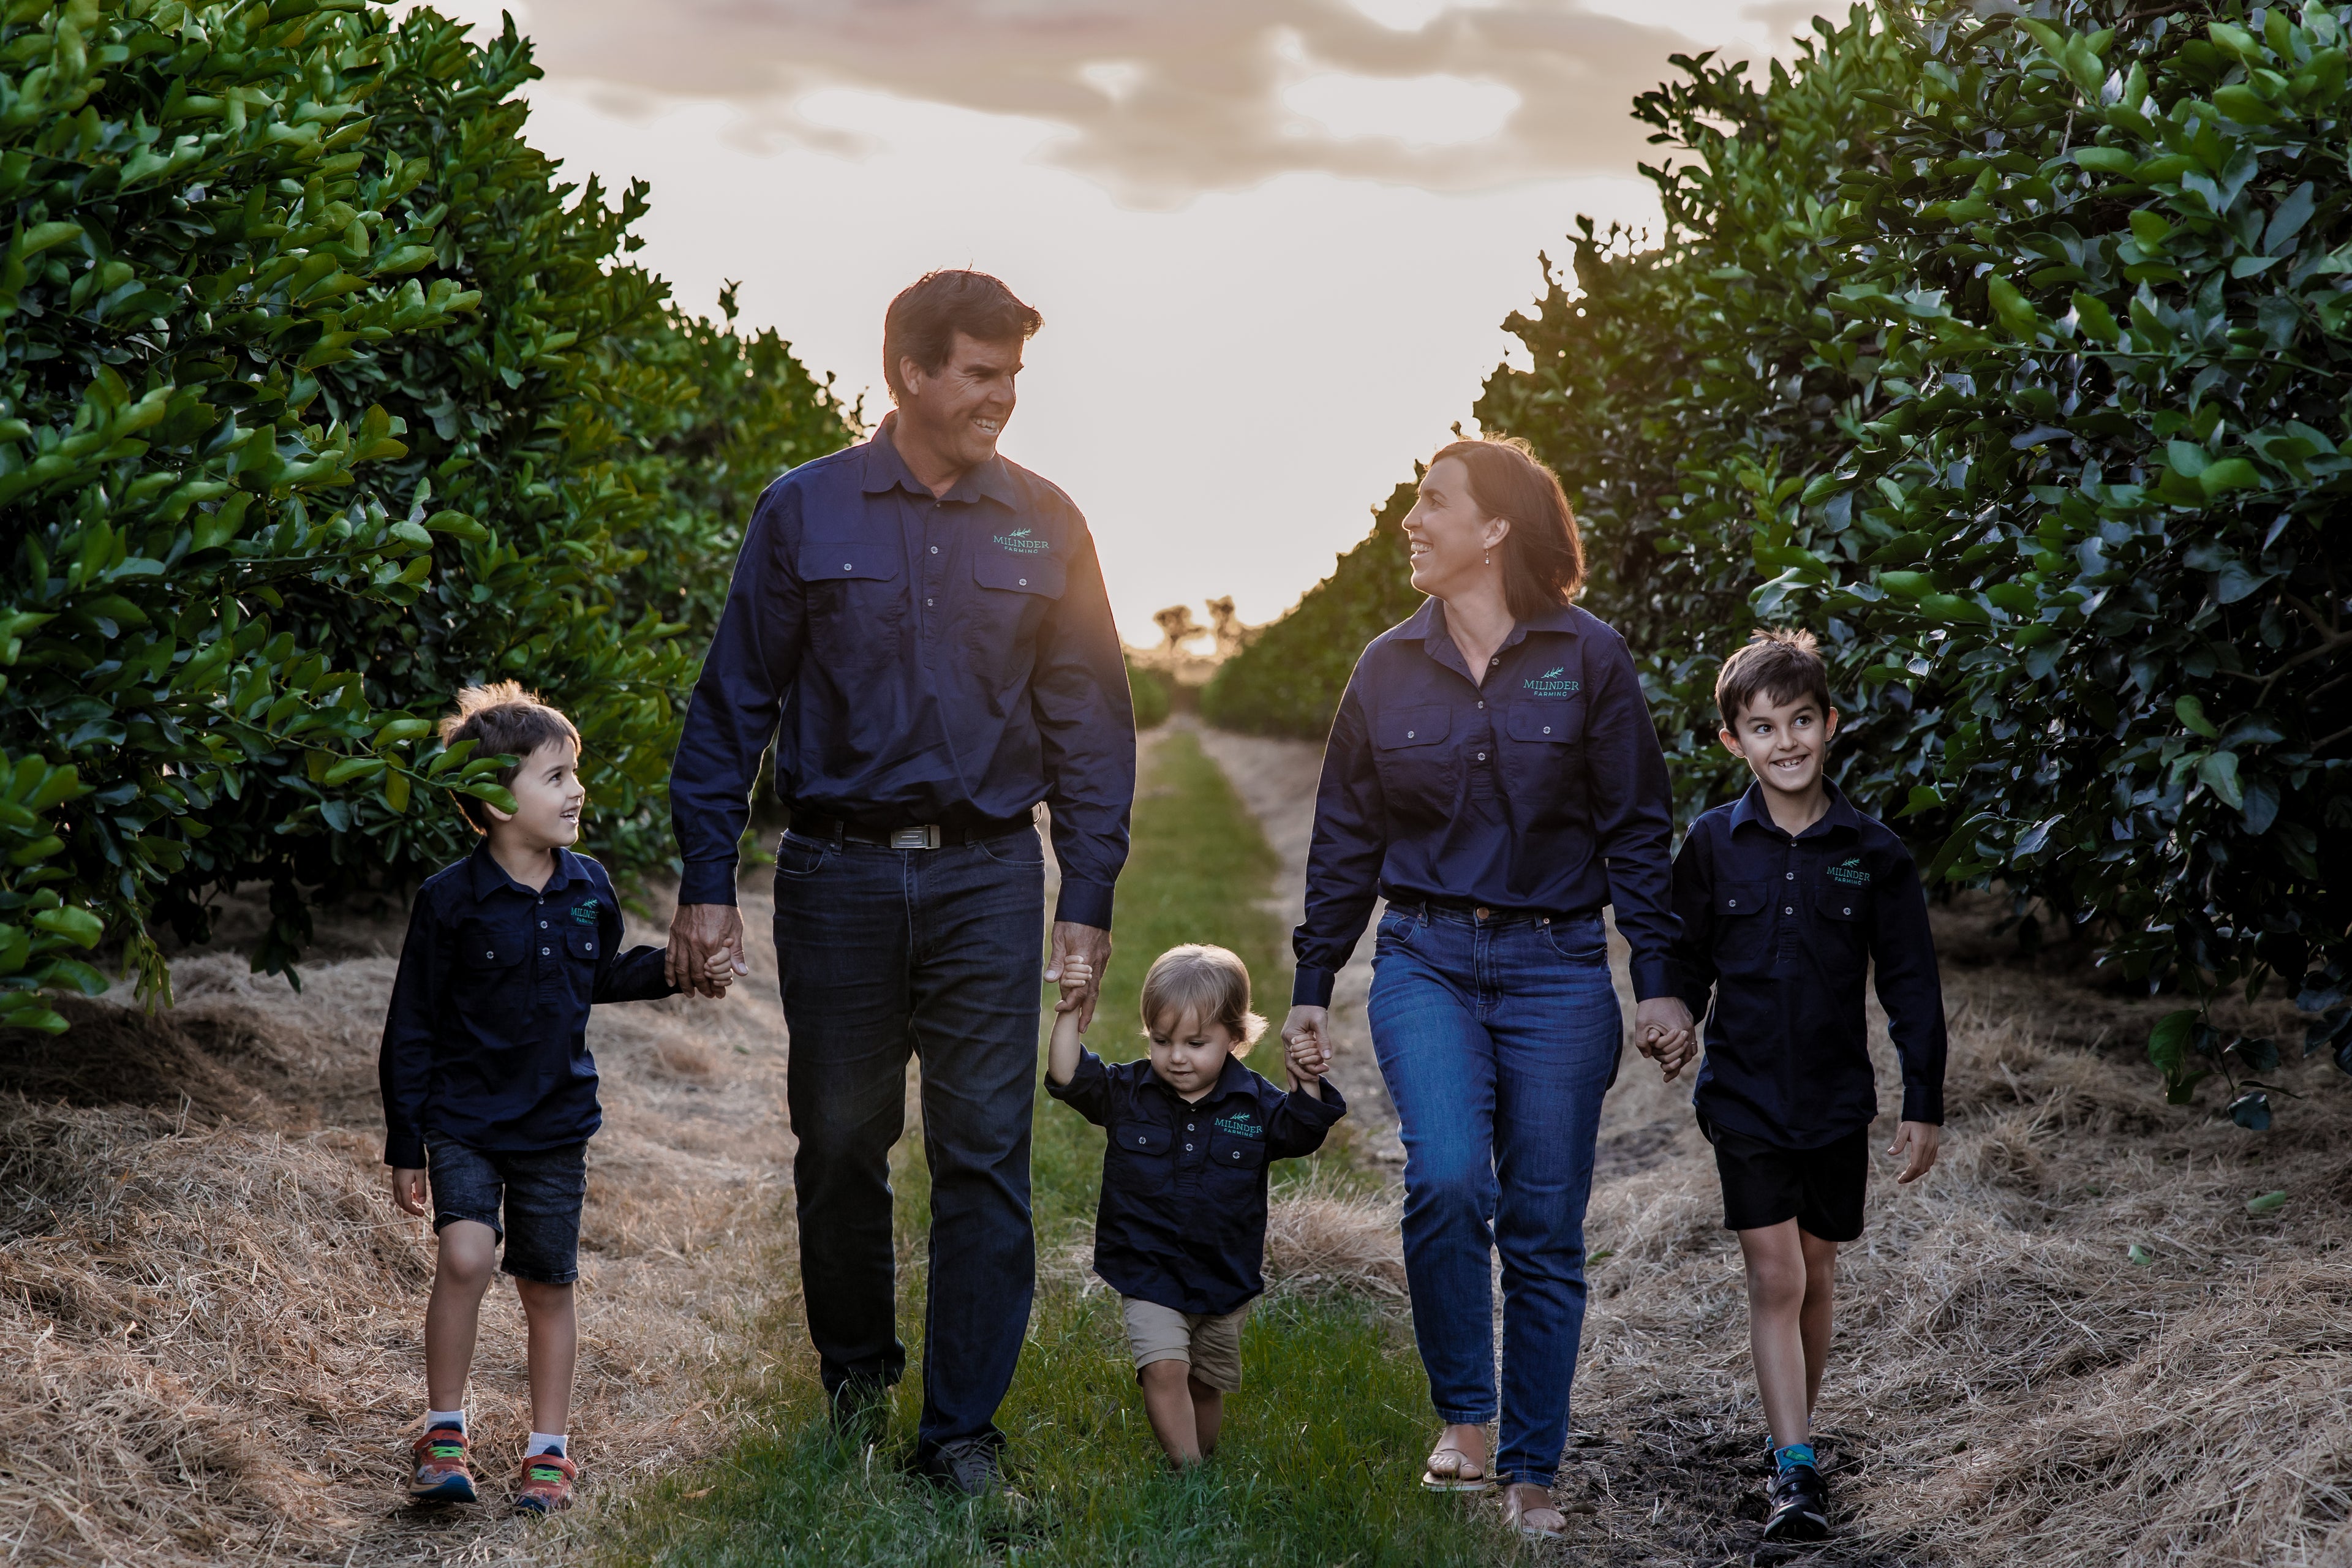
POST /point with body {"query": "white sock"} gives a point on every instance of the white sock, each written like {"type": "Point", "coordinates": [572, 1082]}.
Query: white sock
{"type": "Point", "coordinates": [545, 1443]}
{"type": "Point", "coordinates": [437, 1418]}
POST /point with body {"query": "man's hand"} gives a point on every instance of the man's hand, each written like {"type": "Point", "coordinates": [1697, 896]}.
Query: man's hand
{"type": "Point", "coordinates": [702, 936]}
{"type": "Point", "coordinates": [1092, 944]}
{"type": "Point", "coordinates": [1917, 1143]}
{"type": "Point", "coordinates": [409, 1189]}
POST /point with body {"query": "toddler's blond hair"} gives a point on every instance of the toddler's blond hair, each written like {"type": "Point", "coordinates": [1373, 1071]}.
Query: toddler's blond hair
{"type": "Point", "coordinates": [1207, 982]}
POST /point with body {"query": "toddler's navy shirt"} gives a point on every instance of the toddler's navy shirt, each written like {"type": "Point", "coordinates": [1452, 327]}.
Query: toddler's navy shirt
{"type": "Point", "coordinates": [1183, 1218]}
{"type": "Point", "coordinates": [486, 1040]}
{"type": "Point", "coordinates": [1781, 930]}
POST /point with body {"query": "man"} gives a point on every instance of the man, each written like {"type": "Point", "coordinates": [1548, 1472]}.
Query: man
{"type": "Point", "coordinates": [926, 624]}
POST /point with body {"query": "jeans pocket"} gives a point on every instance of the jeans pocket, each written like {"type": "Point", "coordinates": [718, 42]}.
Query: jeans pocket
{"type": "Point", "coordinates": [1582, 939]}
{"type": "Point", "coordinates": [797, 857]}
{"type": "Point", "coordinates": [1013, 848]}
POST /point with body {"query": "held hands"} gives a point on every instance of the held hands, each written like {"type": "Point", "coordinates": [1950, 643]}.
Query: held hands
{"type": "Point", "coordinates": [706, 948]}
{"type": "Point", "coordinates": [1090, 945]}
{"type": "Point", "coordinates": [1076, 979]}
{"type": "Point", "coordinates": [1306, 1044]}
{"type": "Point", "coordinates": [1916, 1143]}
{"type": "Point", "coordinates": [411, 1190]}
{"type": "Point", "coordinates": [1665, 1034]}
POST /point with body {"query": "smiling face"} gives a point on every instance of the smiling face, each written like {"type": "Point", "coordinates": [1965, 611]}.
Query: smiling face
{"type": "Point", "coordinates": [548, 797]}
{"type": "Point", "coordinates": [1783, 743]}
{"type": "Point", "coordinates": [1451, 540]}
{"type": "Point", "coordinates": [1188, 1053]}
{"type": "Point", "coordinates": [960, 410]}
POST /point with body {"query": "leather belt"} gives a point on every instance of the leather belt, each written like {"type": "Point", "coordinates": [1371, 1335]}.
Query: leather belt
{"type": "Point", "coordinates": [917, 835]}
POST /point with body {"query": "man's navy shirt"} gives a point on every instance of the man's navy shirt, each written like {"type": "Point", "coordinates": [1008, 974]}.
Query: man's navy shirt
{"type": "Point", "coordinates": [930, 659]}
{"type": "Point", "coordinates": [1540, 789]}
{"type": "Point", "coordinates": [1781, 930]}
{"type": "Point", "coordinates": [486, 1040]}
{"type": "Point", "coordinates": [1183, 1218]}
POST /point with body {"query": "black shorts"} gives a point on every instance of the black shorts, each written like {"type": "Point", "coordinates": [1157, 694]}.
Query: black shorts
{"type": "Point", "coordinates": [540, 1192]}
{"type": "Point", "coordinates": [1820, 1189]}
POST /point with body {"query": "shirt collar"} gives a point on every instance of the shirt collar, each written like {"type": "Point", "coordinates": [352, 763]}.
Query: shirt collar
{"type": "Point", "coordinates": [489, 877]}
{"type": "Point", "coordinates": [1839, 816]}
{"type": "Point", "coordinates": [1428, 623]}
{"type": "Point", "coordinates": [884, 470]}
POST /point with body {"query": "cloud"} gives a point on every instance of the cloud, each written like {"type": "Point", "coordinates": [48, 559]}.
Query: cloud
{"type": "Point", "coordinates": [1158, 100]}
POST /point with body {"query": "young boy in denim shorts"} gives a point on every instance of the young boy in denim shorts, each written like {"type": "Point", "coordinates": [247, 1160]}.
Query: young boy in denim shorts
{"type": "Point", "coordinates": [1180, 1231]}
{"type": "Point", "coordinates": [1786, 897]}
{"type": "Point", "coordinates": [489, 1093]}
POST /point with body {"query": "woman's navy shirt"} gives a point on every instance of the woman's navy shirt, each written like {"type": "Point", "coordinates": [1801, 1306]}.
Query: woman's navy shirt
{"type": "Point", "coordinates": [1781, 930]}
{"type": "Point", "coordinates": [486, 1043]}
{"type": "Point", "coordinates": [1540, 789]}
{"type": "Point", "coordinates": [1183, 1216]}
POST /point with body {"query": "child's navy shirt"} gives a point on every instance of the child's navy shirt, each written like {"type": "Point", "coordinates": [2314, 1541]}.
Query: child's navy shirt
{"type": "Point", "coordinates": [1183, 1218]}
{"type": "Point", "coordinates": [486, 1040]}
{"type": "Point", "coordinates": [1781, 930]}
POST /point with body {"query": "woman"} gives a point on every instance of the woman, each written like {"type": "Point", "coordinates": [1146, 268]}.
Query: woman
{"type": "Point", "coordinates": [1492, 773]}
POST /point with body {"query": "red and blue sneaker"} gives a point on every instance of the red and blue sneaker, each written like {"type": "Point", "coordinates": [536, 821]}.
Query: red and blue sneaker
{"type": "Point", "coordinates": [442, 1474]}
{"type": "Point", "coordinates": [546, 1484]}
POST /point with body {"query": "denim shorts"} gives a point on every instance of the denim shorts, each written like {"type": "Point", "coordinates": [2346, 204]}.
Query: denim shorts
{"type": "Point", "coordinates": [540, 1192]}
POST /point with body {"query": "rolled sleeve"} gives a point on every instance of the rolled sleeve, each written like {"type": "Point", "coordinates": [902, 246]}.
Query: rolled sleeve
{"type": "Point", "coordinates": [738, 701]}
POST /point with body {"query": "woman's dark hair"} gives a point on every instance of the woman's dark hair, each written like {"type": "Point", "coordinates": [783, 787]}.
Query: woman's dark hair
{"type": "Point", "coordinates": [1779, 664]}
{"type": "Point", "coordinates": [1543, 558]}
{"type": "Point", "coordinates": [923, 321]}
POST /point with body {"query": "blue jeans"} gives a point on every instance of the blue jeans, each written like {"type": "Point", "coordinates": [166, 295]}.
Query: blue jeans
{"type": "Point", "coordinates": [1497, 1039]}
{"type": "Point", "coordinates": [936, 953]}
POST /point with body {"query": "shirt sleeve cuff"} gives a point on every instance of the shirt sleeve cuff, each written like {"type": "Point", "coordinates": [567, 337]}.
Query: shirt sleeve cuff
{"type": "Point", "coordinates": [1652, 978]}
{"type": "Point", "coordinates": [1089, 1068]}
{"type": "Point", "coordinates": [1084, 903]}
{"type": "Point", "coordinates": [1311, 988]}
{"type": "Point", "coordinates": [404, 1151]}
{"type": "Point", "coordinates": [1326, 1108]}
{"type": "Point", "coordinates": [706, 882]}
{"type": "Point", "coordinates": [1924, 1105]}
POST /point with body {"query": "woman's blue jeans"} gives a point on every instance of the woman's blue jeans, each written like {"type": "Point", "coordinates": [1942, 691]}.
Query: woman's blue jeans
{"type": "Point", "coordinates": [1499, 1038]}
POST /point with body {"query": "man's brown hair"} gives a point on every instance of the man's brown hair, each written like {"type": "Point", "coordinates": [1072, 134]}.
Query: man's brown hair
{"type": "Point", "coordinates": [503, 720]}
{"type": "Point", "coordinates": [1781, 663]}
{"type": "Point", "coordinates": [1543, 557]}
{"type": "Point", "coordinates": [1212, 983]}
{"type": "Point", "coordinates": [923, 321]}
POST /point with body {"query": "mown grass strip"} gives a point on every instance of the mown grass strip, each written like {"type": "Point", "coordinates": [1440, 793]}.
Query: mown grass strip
{"type": "Point", "coordinates": [1319, 1461]}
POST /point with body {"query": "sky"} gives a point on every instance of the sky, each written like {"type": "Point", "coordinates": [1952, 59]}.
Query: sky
{"type": "Point", "coordinates": [1273, 241]}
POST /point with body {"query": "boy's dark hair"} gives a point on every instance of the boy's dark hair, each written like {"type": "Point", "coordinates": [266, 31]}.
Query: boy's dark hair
{"type": "Point", "coordinates": [502, 720]}
{"type": "Point", "coordinates": [1781, 663]}
{"type": "Point", "coordinates": [923, 321]}
{"type": "Point", "coordinates": [1543, 559]}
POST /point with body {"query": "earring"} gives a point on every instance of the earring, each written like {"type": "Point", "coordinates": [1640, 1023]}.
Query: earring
{"type": "Point", "coordinates": [1490, 559]}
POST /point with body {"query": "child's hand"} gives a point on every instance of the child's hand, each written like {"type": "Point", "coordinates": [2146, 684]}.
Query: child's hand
{"type": "Point", "coordinates": [1671, 1050]}
{"type": "Point", "coordinates": [410, 1189]}
{"type": "Point", "coordinates": [719, 973]}
{"type": "Point", "coordinates": [1917, 1143]}
{"type": "Point", "coordinates": [1076, 976]}
{"type": "Point", "coordinates": [1309, 1057]}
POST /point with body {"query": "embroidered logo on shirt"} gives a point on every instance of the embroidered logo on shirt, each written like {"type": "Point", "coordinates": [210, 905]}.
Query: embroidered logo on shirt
{"type": "Point", "coordinates": [1020, 543]}
{"type": "Point", "coordinates": [583, 913]}
{"type": "Point", "coordinates": [1239, 1125]}
{"type": "Point", "coordinates": [1549, 684]}
{"type": "Point", "coordinates": [1850, 872]}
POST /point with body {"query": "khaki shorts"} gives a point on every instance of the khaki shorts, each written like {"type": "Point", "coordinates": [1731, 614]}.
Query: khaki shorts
{"type": "Point", "coordinates": [1211, 1345]}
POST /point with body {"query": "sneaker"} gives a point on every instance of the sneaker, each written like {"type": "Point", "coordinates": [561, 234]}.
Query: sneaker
{"type": "Point", "coordinates": [441, 1473]}
{"type": "Point", "coordinates": [1801, 1506]}
{"type": "Point", "coordinates": [546, 1484]}
{"type": "Point", "coordinates": [968, 1467]}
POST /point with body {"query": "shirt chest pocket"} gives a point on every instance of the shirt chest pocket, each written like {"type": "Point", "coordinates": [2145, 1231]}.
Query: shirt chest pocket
{"type": "Point", "coordinates": [1743, 937]}
{"type": "Point", "coordinates": [1015, 593]}
{"type": "Point", "coordinates": [1228, 1152]}
{"type": "Point", "coordinates": [855, 604]}
{"type": "Point", "coordinates": [487, 980]}
{"type": "Point", "coordinates": [1139, 1154]}
{"type": "Point", "coordinates": [1841, 922]}
{"type": "Point", "coordinates": [1543, 761]}
{"type": "Point", "coordinates": [1417, 766]}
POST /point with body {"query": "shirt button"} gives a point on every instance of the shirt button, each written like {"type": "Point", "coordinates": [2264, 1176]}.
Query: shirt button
{"type": "Point", "coordinates": [1493, 662]}
{"type": "Point", "coordinates": [1187, 1127]}
{"type": "Point", "coordinates": [545, 950]}
{"type": "Point", "coordinates": [1788, 909]}
{"type": "Point", "coordinates": [1731, 903]}
{"type": "Point", "coordinates": [1238, 1153]}
{"type": "Point", "coordinates": [1546, 729]}
{"type": "Point", "coordinates": [1024, 582]}
{"type": "Point", "coordinates": [542, 925]}
{"type": "Point", "coordinates": [1482, 756]}
{"type": "Point", "coordinates": [1188, 1148]}
{"type": "Point", "coordinates": [1409, 734]}
{"type": "Point", "coordinates": [935, 550]}
{"type": "Point", "coordinates": [1790, 875]}
{"type": "Point", "coordinates": [1482, 705]}
{"type": "Point", "coordinates": [929, 602]}
{"type": "Point", "coordinates": [489, 955]}
{"type": "Point", "coordinates": [1847, 911]}
{"type": "Point", "coordinates": [844, 567]}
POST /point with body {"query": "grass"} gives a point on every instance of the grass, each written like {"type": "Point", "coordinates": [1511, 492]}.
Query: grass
{"type": "Point", "coordinates": [1314, 1466]}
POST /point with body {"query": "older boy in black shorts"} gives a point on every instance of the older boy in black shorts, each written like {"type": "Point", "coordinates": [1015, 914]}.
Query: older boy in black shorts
{"type": "Point", "coordinates": [1787, 896]}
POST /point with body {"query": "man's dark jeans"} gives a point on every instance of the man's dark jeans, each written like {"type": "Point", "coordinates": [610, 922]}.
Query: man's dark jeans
{"type": "Point", "coordinates": [936, 952]}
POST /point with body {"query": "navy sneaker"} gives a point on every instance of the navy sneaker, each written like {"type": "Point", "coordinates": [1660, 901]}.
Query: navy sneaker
{"type": "Point", "coordinates": [968, 1467]}
{"type": "Point", "coordinates": [1801, 1506]}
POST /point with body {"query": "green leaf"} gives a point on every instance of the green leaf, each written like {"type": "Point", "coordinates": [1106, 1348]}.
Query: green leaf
{"type": "Point", "coordinates": [2097, 321]}
{"type": "Point", "coordinates": [2218, 771]}
{"type": "Point", "coordinates": [2015, 312]}
{"type": "Point", "coordinates": [2267, 1202]}
{"type": "Point", "coordinates": [2168, 1043]}
{"type": "Point", "coordinates": [2140, 1257]}
{"type": "Point", "coordinates": [2245, 105]}
{"type": "Point", "coordinates": [2191, 713]}
{"type": "Point", "coordinates": [2228, 474]}
{"type": "Point", "coordinates": [2106, 160]}
{"type": "Point", "coordinates": [77, 926]}
{"type": "Point", "coordinates": [352, 768]}
{"type": "Point", "coordinates": [1906, 585]}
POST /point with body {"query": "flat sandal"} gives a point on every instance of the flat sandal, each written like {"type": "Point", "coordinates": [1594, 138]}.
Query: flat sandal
{"type": "Point", "coordinates": [1443, 1473]}
{"type": "Point", "coordinates": [1514, 1514]}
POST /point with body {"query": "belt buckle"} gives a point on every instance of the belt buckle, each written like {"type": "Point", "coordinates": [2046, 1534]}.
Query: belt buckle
{"type": "Point", "coordinates": [924, 838]}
